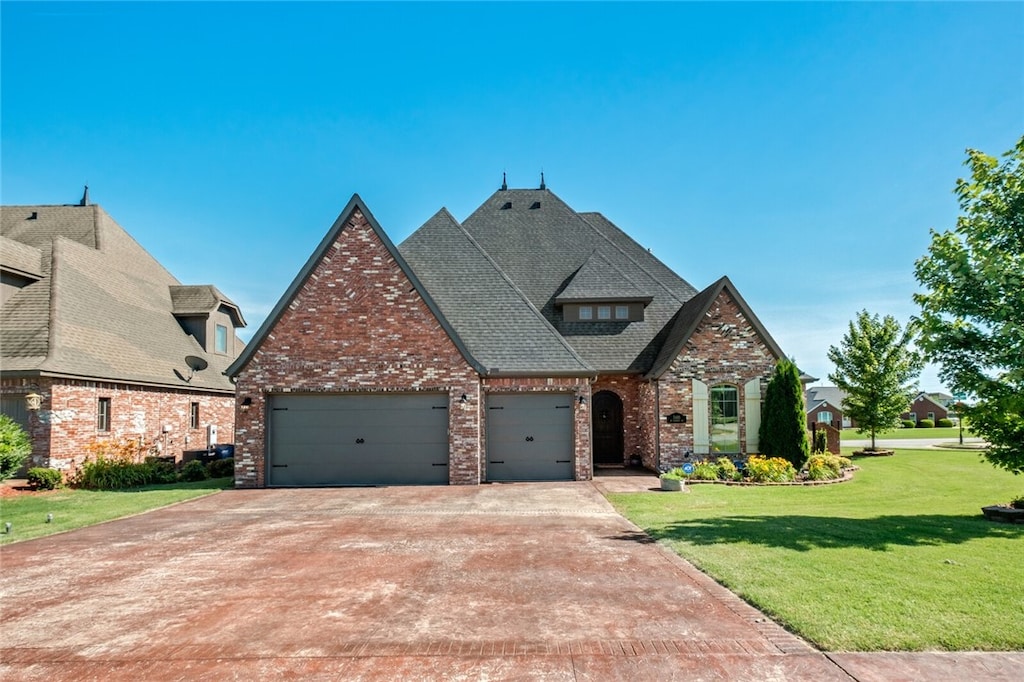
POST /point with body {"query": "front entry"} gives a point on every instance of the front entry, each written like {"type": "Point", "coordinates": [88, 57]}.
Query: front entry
{"type": "Point", "coordinates": [607, 428]}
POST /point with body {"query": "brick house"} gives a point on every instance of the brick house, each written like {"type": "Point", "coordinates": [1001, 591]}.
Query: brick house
{"type": "Point", "coordinates": [824, 405]}
{"type": "Point", "coordinates": [527, 342]}
{"type": "Point", "coordinates": [925, 406]}
{"type": "Point", "coordinates": [101, 342]}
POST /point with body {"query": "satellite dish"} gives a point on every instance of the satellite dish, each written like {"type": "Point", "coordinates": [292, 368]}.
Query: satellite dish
{"type": "Point", "coordinates": [195, 364]}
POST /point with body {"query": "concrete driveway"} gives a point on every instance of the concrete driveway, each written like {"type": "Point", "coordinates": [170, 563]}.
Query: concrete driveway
{"type": "Point", "coordinates": [516, 581]}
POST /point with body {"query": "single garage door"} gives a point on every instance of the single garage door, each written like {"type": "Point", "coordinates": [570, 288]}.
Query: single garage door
{"type": "Point", "coordinates": [530, 437]}
{"type": "Point", "coordinates": [363, 439]}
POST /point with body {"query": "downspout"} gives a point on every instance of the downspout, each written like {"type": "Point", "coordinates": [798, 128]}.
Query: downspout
{"type": "Point", "coordinates": [657, 425]}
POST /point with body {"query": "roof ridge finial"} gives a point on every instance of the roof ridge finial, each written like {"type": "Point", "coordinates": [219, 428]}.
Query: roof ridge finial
{"type": "Point", "coordinates": [85, 197]}
{"type": "Point", "coordinates": [504, 184]}
{"type": "Point", "coordinates": [542, 185]}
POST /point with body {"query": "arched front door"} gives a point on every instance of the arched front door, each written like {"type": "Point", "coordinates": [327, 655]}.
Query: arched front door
{"type": "Point", "coordinates": [607, 428]}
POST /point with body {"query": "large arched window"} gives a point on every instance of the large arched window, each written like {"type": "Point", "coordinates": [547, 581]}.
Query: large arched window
{"type": "Point", "coordinates": [725, 419]}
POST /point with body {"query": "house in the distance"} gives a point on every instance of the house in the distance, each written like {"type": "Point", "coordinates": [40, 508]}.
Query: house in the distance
{"type": "Point", "coordinates": [824, 405]}
{"type": "Point", "coordinates": [100, 342]}
{"type": "Point", "coordinates": [527, 342]}
{"type": "Point", "coordinates": [924, 406]}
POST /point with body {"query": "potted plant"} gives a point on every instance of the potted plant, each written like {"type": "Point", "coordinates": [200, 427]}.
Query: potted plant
{"type": "Point", "coordinates": [673, 479]}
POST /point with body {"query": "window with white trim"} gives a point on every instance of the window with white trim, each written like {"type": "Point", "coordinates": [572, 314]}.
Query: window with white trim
{"type": "Point", "coordinates": [825, 416]}
{"type": "Point", "coordinates": [604, 312]}
{"type": "Point", "coordinates": [586, 312]}
{"type": "Point", "coordinates": [725, 419]}
{"type": "Point", "coordinates": [622, 312]}
{"type": "Point", "coordinates": [103, 414]}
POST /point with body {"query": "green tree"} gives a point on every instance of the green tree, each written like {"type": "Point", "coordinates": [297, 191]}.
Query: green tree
{"type": "Point", "coordinates": [877, 369]}
{"type": "Point", "coordinates": [783, 431]}
{"type": "Point", "coordinates": [972, 309]}
{"type": "Point", "coordinates": [14, 447]}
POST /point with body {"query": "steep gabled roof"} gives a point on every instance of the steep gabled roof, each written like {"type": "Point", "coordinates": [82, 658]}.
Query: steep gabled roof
{"type": "Point", "coordinates": [690, 317]}
{"type": "Point", "coordinates": [102, 309]}
{"type": "Point", "coordinates": [816, 395]}
{"type": "Point", "coordinates": [499, 325]}
{"type": "Point", "coordinates": [354, 204]}
{"type": "Point", "coordinates": [20, 259]}
{"type": "Point", "coordinates": [541, 244]}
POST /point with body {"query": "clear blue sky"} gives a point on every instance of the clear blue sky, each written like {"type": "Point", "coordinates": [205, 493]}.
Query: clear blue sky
{"type": "Point", "coordinates": [805, 150]}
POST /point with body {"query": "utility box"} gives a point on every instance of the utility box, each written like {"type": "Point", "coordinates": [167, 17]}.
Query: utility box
{"type": "Point", "coordinates": [211, 435]}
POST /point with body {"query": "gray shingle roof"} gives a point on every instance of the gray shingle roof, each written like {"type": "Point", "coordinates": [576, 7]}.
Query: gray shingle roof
{"type": "Point", "coordinates": [499, 325]}
{"type": "Point", "coordinates": [541, 243]}
{"type": "Point", "coordinates": [816, 395]}
{"type": "Point", "coordinates": [109, 301]}
{"type": "Point", "coordinates": [20, 258]}
{"type": "Point", "coordinates": [201, 299]}
{"type": "Point", "coordinates": [598, 280]}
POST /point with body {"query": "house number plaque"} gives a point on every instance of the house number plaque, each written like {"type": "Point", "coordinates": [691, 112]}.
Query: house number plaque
{"type": "Point", "coordinates": [676, 418]}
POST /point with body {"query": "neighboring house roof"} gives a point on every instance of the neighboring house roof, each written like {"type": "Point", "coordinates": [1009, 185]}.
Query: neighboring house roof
{"type": "Point", "coordinates": [925, 397]}
{"type": "Point", "coordinates": [102, 309]}
{"type": "Point", "coordinates": [354, 204]}
{"type": "Point", "coordinates": [816, 395]}
{"type": "Point", "coordinates": [499, 325]}
{"type": "Point", "coordinates": [944, 399]}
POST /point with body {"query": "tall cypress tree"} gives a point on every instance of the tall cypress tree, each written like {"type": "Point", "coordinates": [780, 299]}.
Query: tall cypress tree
{"type": "Point", "coordinates": [783, 431]}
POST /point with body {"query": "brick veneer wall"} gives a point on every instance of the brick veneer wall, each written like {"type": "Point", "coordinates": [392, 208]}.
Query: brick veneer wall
{"type": "Point", "coordinates": [579, 387]}
{"type": "Point", "coordinates": [66, 422]}
{"type": "Point", "coordinates": [357, 324]}
{"type": "Point", "coordinates": [724, 349]}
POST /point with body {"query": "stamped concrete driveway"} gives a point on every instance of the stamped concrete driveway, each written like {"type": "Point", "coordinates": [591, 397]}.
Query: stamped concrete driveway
{"type": "Point", "coordinates": [517, 581]}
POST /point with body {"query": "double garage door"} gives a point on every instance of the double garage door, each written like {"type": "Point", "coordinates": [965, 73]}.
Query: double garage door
{"type": "Point", "coordinates": [402, 439]}
{"type": "Point", "coordinates": [361, 439]}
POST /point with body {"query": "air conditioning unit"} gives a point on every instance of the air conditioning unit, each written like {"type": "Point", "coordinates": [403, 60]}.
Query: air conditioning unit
{"type": "Point", "coordinates": [211, 435]}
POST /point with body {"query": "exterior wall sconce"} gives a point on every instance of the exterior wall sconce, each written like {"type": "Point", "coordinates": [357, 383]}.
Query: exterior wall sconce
{"type": "Point", "coordinates": [246, 403]}
{"type": "Point", "coordinates": [582, 400]}
{"type": "Point", "coordinates": [464, 398]}
{"type": "Point", "coordinates": [33, 401]}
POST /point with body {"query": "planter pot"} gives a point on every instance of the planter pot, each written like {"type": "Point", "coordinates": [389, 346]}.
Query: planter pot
{"type": "Point", "coordinates": [1003, 514]}
{"type": "Point", "coordinates": [672, 484]}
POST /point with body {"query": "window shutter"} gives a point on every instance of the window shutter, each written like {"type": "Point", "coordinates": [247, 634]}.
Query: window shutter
{"type": "Point", "coordinates": [701, 438]}
{"type": "Point", "coordinates": [752, 406]}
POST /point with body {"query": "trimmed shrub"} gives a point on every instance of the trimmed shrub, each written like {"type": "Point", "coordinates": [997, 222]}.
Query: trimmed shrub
{"type": "Point", "coordinates": [909, 424]}
{"type": "Point", "coordinates": [112, 474]}
{"type": "Point", "coordinates": [944, 423]}
{"type": "Point", "coordinates": [194, 471]}
{"type": "Point", "coordinates": [783, 431]}
{"type": "Point", "coordinates": [770, 470]}
{"type": "Point", "coordinates": [926, 424]}
{"type": "Point", "coordinates": [820, 444]}
{"type": "Point", "coordinates": [826, 467]}
{"type": "Point", "coordinates": [15, 447]}
{"type": "Point", "coordinates": [42, 478]}
{"type": "Point", "coordinates": [161, 471]}
{"type": "Point", "coordinates": [219, 468]}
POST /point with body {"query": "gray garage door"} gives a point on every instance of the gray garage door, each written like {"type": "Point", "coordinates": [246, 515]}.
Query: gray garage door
{"type": "Point", "coordinates": [530, 437]}
{"type": "Point", "coordinates": [366, 439]}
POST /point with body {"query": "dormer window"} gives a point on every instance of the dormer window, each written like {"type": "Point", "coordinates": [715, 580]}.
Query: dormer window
{"type": "Point", "coordinates": [629, 311]}
{"type": "Point", "coordinates": [586, 312]}
{"type": "Point", "coordinates": [221, 340]}
{"type": "Point", "coordinates": [604, 312]}
{"type": "Point", "coordinates": [622, 312]}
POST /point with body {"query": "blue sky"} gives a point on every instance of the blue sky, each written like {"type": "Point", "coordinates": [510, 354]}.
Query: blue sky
{"type": "Point", "coordinates": [805, 150]}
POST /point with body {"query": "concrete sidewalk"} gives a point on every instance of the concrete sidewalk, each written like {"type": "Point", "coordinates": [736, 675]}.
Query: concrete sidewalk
{"type": "Point", "coordinates": [516, 581]}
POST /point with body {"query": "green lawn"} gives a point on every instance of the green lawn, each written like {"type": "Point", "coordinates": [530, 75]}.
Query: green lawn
{"type": "Point", "coordinates": [73, 508]}
{"type": "Point", "coordinates": [900, 558]}
{"type": "Point", "coordinates": [952, 433]}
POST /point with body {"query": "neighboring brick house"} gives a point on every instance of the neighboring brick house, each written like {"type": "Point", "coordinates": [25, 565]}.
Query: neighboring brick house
{"type": "Point", "coordinates": [100, 342]}
{"type": "Point", "coordinates": [925, 406]}
{"type": "Point", "coordinates": [824, 405]}
{"type": "Point", "coordinates": [528, 342]}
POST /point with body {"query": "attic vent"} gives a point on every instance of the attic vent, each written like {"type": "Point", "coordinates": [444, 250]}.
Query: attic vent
{"type": "Point", "coordinates": [535, 204]}
{"type": "Point", "coordinates": [507, 205]}
{"type": "Point", "coordinates": [35, 215]}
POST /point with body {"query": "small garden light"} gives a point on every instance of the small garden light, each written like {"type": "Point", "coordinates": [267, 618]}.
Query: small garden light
{"type": "Point", "coordinates": [49, 518]}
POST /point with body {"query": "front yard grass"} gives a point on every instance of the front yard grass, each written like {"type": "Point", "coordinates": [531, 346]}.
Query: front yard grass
{"type": "Point", "coordinates": [952, 433]}
{"type": "Point", "coordinates": [73, 508]}
{"type": "Point", "coordinates": [899, 559]}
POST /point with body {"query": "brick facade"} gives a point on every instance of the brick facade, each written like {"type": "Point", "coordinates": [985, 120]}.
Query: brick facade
{"type": "Point", "coordinates": [66, 422]}
{"type": "Point", "coordinates": [357, 324]}
{"type": "Point", "coordinates": [724, 349]}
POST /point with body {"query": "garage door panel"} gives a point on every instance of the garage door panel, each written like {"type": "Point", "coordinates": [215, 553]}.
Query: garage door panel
{"type": "Point", "coordinates": [354, 439]}
{"type": "Point", "coordinates": [530, 437]}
